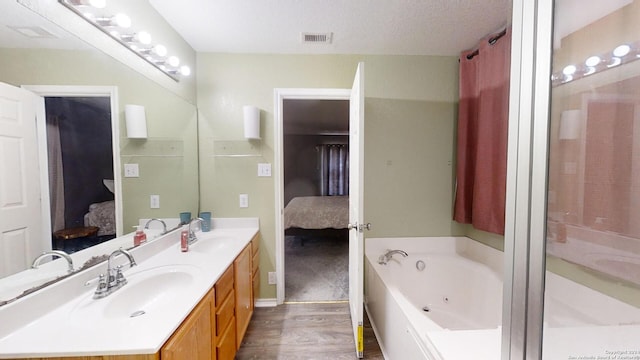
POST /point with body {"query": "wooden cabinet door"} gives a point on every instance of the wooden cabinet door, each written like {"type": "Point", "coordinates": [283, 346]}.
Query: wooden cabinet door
{"type": "Point", "coordinates": [255, 266]}
{"type": "Point", "coordinates": [193, 338]}
{"type": "Point", "coordinates": [243, 288]}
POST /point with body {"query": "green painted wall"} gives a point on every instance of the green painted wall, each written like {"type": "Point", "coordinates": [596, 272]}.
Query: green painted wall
{"type": "Point", "coordinates": [409, 135]}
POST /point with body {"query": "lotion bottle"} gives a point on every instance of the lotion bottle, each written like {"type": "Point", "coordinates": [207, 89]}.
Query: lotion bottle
{"type": "Point", "coordinates": [184, 240]}
{"type": "Point", "coordinates": [139, 238]}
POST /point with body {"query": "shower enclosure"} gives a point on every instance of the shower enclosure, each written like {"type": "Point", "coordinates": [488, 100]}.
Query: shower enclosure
{"type": "Point", "coordinates": [573, 200]}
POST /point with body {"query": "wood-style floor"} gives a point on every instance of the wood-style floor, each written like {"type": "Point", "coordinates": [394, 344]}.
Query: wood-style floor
{"type": "Point", "coordinates": [305, 331]}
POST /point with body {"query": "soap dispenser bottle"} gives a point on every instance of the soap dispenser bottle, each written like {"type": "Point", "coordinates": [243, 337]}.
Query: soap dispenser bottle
{"type": "Point", "coordinates": [139, 238]}
{"type": "Point", "coordinates": [184, 239]}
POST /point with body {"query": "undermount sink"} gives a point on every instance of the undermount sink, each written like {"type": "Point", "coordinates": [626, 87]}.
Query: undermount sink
{"type": "Point", "coordinates": [146, 291]}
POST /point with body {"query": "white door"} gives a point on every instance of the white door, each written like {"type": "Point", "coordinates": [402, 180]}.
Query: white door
{"type": "Point", "coordinates": [356, 194]}
{"type": "Point", "coordinates": [20, 201]}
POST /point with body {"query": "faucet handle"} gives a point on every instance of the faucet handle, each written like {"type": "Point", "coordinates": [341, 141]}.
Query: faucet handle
{"type": "Point", "coordinates": [120, 279]}
{"type": "Point", "coordinates": [103, 287]}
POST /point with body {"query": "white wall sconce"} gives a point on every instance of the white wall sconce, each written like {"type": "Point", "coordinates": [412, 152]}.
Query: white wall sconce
{"type": "Point", "coordinates": [136, 121]}
{"type": "Point", "coordinates": [251, 122]}
{"type": "Point", "coordinates": [569, 125]}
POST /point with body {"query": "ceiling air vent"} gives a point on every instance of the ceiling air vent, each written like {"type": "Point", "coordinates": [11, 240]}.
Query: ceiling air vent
{"type": "Point", "coordinates": [317, 38]}
{"type": "Point", "coordinates": [35, 32]}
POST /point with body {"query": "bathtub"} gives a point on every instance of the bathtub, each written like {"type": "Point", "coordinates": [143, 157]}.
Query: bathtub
{"type": "Point", "coordinates": [454, 298]}
{"type": "Point", "coordinates": [452, 309]}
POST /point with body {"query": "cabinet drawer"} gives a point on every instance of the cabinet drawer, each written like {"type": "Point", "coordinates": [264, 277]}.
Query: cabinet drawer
{"type": "Point", "coordinates": [225, 313]}
{"type": "Point", "coordinates": [224, 286]}
{"type": "Point", "coordinates": [226, 345]}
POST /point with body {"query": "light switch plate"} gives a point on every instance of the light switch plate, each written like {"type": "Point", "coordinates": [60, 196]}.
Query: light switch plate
{"type": "Point", "coordinates": [131, 170]}
{"type": "Point", "coordinates": [154, 201]}
{"type": "Point", "coordinates": [264, 169]}
{"type": "Point", "coordinates": [244, 200]}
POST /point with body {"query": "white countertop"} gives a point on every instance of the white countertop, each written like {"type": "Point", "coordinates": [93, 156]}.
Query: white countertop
{"type": "Point", "coordinates": [64, 319]}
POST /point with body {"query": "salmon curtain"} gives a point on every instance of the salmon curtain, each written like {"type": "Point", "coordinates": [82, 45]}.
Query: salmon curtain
{"type": "Point", "coordinates": [483, 114]}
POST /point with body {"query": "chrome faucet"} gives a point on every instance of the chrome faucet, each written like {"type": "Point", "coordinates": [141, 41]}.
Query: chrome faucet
{"type": "Point", "coordinates": [192, 234]}
{"type": "Point", "coordinates": [384, 258]}
{"type": "Point", "coordinates": [164, 225]}
{"type": "Point", "coordinates": [114, 279]}
{"type": "Point", "coordinates": [54, 253]}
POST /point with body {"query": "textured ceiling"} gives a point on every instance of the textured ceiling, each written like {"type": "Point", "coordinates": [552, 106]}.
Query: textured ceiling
{"type": "Point", "coordinates": [398, 27]}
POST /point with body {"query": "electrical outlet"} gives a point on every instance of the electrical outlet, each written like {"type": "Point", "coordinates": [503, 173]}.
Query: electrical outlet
{"type": "Point", "coordinates": [272, 278]}
{"type": "Point", "coordinates": [131, 170]}
{"type": "Point", "coordinates": [244, 200]}
{"type": "Point", "coordinates": [154, 201]}
{"type": "Point", "coordinates": [264, 169]}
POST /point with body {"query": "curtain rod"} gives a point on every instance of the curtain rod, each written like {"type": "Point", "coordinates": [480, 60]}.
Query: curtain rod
{"type": "Point", "coordinates": [491, 41]}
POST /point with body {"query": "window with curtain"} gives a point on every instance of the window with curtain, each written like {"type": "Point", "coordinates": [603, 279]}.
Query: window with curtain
{"type": "Point", "coordinates": [482, 134]}
{"type": "Point", "coordinates": [334, 169]}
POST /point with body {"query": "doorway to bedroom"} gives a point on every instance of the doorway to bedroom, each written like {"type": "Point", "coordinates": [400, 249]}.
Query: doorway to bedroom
{"type": "Point", "coordinates": [316, 196]}
{"type": "Point", "coordinates": [79, 144]}
{"type": "Point", "coordinates": [81, 175]}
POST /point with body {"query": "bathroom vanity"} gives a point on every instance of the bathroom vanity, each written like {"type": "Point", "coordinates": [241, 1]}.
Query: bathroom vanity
{"type": "Point", "coordinates": [176, 305]}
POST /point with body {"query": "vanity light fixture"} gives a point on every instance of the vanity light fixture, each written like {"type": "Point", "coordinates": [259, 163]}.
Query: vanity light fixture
{"type": "Point", "coordinates": [120, 28]}
{"type": "Point", "coordinates": [141, 37]}
{"type": "Point", "coordinates": [98, 4]}
{"type": "Point", "coordinates": [118, 20]}
{"type": "Point", "coordinates": [620, 55]}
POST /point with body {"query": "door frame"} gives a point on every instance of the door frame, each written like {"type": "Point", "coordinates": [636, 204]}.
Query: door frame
{"type": "Point", "coordinates": [80, 91]}
{"type": "Point", "coordinates": [281, 94]}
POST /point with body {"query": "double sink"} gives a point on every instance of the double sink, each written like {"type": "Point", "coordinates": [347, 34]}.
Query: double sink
{"type": "Point", "coordinates": [140, 316]}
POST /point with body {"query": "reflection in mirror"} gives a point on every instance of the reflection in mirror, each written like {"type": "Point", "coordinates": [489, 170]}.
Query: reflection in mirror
{"type": "Point", "coordinates": [33, 52]}
{"type": "Point", "coordinates": [594, 164]}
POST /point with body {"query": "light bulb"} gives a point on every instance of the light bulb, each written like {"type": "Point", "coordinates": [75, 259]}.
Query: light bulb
{"type": "Point", "coordinates": [160, 50]}
{"type": "Point", "coordinates": [621, 50]}
{"type": "Point", "coordinates": [173, 61]}
{"type": "Point", "coordinates": [144, 37]}
{"type": "Point", "coordinates": [185, 70]}
{"type": "Point", "coordinates": [98, 4]}
{"type": "Point", "coordinates": [122, 20]}
{"type": "Point", "coordinates": [569, 70]}
{"type": "Point", "coordinates": [593, 61]}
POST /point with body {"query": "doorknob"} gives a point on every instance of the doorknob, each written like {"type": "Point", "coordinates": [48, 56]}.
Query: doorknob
{"type": "Point", "coordinates": [351, 227]}
{"type": "Point", "coordinates": [364, 227]}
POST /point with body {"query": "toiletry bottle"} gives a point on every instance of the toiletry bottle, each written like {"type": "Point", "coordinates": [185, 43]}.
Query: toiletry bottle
{"type": "Point", "coordinates": [139, 238]}
{"type": "Point", "coordinates": [184, 240]}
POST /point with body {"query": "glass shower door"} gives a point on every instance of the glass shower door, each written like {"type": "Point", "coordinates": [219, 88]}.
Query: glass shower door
{"type": "Point", "coordinates": [592, 282]}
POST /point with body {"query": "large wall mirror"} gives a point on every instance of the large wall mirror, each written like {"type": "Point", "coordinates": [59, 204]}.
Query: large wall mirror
{"type": "Point", "coordinates": [43, 57]}
{"type": "Point", "coordinates": [594, 177]}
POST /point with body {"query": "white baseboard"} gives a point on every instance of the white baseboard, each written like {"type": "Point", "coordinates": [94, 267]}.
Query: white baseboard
{"type": "Point", "coordinates": [266, 302]}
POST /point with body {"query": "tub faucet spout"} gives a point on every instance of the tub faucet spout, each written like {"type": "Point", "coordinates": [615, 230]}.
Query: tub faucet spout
{"type": "Point", "coordinates": [384, 258]}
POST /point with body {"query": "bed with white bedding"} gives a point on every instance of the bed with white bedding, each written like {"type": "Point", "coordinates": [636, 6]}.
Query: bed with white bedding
{"type": "Point", "coordinates": [317, 212]}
